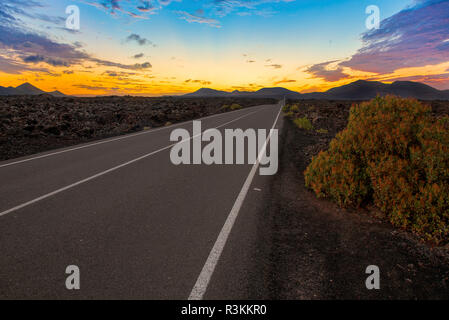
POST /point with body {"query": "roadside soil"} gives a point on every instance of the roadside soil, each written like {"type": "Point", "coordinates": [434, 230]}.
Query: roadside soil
{"type": "Point", "coordinates": [32, 124]}
{"type": "Point", "coordinates": [320, 251]}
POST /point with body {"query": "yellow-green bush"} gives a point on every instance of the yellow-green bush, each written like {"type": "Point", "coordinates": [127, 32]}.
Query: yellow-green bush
{"type": "Point", "coordinates": [395, 154]}
{"type": "Point", "coordinates": [233, 106]}
{"type": "Point", "coordinates": [303, 123]}
{"type": "Point", "coordinates": [290, 108]}
{"type": "Point", "coordinates": [294, 108]}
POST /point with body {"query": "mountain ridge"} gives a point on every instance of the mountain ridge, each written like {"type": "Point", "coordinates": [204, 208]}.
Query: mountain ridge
{"type": "Point", "coordinates": [358, 90]}
{"type": "Point", "coordinates": [27, 89]}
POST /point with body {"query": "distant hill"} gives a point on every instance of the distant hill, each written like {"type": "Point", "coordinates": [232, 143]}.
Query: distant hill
{"type": "Point", "coordinates": [361, 90]}
{"type": "Point", "coordinates": [358, 90]}
{"type": "Point", "coordinates": [57, 93]}
{"type": "Point", "coordinates": [27, 89]}
{"type": "Point", "coordinates": [206, 93]}
{"type": "Point", "coordinates": [276, 92]}
{"type": "Point", "coordinates": [262, 93]}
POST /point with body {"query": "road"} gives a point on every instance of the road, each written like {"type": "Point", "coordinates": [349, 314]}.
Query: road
{"type": "Point", "coordinates": [137, 226]}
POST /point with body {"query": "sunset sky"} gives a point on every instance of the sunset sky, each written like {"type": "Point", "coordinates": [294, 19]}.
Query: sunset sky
{"type": "Point", "coordinates": [178, 46]}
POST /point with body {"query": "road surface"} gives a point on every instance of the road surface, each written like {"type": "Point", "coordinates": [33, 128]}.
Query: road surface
{"type": "Point", "coordinates": [137, 226]}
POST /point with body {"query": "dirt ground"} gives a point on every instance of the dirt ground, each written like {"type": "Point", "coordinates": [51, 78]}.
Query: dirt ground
{"type": "Point", "coordinates": [32, 124]}
{"type": "Point", "coordinates": [320, 251]}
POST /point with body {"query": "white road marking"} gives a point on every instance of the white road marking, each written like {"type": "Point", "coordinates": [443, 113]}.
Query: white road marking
{"type": "Point", "coordinates": [110, 140]}
{"type": "Point", "coordinates": [45, 196]}
{"type": "Point", "coordinates": [202, 282]}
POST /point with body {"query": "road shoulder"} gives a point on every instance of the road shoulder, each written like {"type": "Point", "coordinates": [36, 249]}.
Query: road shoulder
{"type": "Point", "coordinates": [320, 251]}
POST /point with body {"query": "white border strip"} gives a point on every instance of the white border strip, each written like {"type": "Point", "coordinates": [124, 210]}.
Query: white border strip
{"type": "Point", "coordinates": [109, 170]}
{"type": "Point", "coordinates": [203, 280]}
{"type": "Point", "coordinates": [114, 139]}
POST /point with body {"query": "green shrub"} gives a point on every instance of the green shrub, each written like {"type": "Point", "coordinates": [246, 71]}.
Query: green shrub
{"type": "Point", "coordinates": [322, 131]}
{"type": "Point", "coordinates": [395, 154]}
{"type": "Point", "coordinates": [290, 108]}
{"type": "Point", "coordinates": [303, 123]}
{"type": "Point", "coordinates": [294, 108]}
{"type": "Point", "coordinates": [231, 107]}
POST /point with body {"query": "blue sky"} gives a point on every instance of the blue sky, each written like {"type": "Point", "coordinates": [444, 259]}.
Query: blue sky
{"type": "Point", "coordinates": [170, 47]}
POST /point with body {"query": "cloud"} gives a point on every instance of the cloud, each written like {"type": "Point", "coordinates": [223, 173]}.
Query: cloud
{"type": "Point", "coordinates": [203, 82]}
{"type": "Point", "coordinates": [411, 45]}
{"type": "Point", "coordinates": [33, 44]}
{"type": "Point", "coordinates": [266, 13]}
{"type": "Point", "coordinates": [21, 47]}
{"type": "Point", "coordinates": [322, 70]}
{"type": "Point", "coordinates": [137, 66]}
{"type": "Point", "coordinates": [14, 67]}
{"type": "Point", "coordinates": [119, 75]}
{"type": "Point", "coordinates": [111, 5]}
{"type": "Point", "coordinates": [94, 88]}
{"type": "Point", "coordinates": [146, 6]}
{"type": "Point", "coordinates": [167, 2]}
{"type": "Point", "coordinates": [284, 81]}
{"type": "Point", "coordinates": [140, 40]}
{"type": "Point", "coordinates": [50, 61]}
{"type": "Point", "coordinates": [138, 56]}
{"type": "Point", "coordinates": [274, 65]}
{"type": "Point", "coordinates": [135, 15]}
{"type": "Point", "coordinates": [198, 19]}
{"type": "Point", "coordinates": [34, 48]}
{"type": "Point", "coordinates": [78, 44]}
{"type": "Point", "coordinates": [225, 7]}
{"type": "Point", "coordinates": [250, 61]}
{"type": "Point", "coordinates": [219, 8]}
{"type": "Point", "coordinates": [413, 37]}
{"type": "Point", "coordinates": [126, 7]}
{"type": "Point", "coordinates": [51, 19]}
{"type": "Point", "coordinates": [10, 10]}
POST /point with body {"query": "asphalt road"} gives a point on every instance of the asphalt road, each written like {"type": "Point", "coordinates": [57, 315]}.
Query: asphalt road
{"type": "Point", "coordinates": [137, 226]}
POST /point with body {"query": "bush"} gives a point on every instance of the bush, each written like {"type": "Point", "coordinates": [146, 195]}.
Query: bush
{"type": "Point", "coordinates": [394, 154]}
{"type": "Point", "coordinates": [234, 106]}
{"type": "Point", "coordinates": [303, 123]}
{"type": "Point", "coordinates": [290, 108]}
{"type": "Point", "coordinates": [322, 131]}
{"type": "Point", "coordinates": [294, 108]}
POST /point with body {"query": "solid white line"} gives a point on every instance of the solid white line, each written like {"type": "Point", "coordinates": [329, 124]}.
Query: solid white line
{"type": "Point", "coordinates": [202, 282]}
{"type": "Point", "coordinates": [112, 140]}
{"type": "Point", "coordinates": [109, 170]}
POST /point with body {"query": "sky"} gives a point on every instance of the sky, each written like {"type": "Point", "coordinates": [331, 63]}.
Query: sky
{"type": "Point", "coordinates": [170, 47]}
